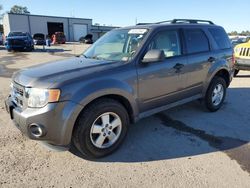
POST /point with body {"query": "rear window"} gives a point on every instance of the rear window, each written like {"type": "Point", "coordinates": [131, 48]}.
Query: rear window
{"type": "Point", "coordinates": [38, 36]}
{"type": "Point", "coordinates": [196, 41]}
{"type": "Point", "coordinates": [220, 38]}
{"type": "Point", "coordinates": [19, 34]}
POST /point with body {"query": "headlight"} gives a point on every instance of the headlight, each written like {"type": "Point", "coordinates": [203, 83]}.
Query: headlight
{"type": "Point", "coordinates": [237, 50]}
{"type": "Point", "coordinates": [38, 98]}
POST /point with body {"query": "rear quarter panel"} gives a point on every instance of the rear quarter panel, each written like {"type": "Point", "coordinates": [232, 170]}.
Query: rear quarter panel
{"type": "Point", "coordinates": [223, 62]}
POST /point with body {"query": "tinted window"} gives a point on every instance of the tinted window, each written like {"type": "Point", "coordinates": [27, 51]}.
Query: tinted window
{"type": "Point", "coordinates": [168, 41]}
{"type": "Point", "coordinates": [196, 41]}
{"type": "Point", "coordinates": [21, 34]}
{"type": "Point", "coordinates": [220, 38]}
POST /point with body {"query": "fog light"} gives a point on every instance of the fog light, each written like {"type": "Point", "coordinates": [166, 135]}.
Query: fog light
{"type": "Point", "coordinates": [37, 130]}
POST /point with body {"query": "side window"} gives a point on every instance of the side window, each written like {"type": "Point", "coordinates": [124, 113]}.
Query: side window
{"type": "Point", "coordinates": [220, 38]}
{"type": "Point", "coordinates": [196, 41]}
{"type": "Point", "coordinates": [168, 41]}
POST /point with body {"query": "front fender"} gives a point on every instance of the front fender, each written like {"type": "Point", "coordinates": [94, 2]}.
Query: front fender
{"type": "Point", "coordinates": [99, 88]}
{"type": "Point", "coordinates": [90, 91]}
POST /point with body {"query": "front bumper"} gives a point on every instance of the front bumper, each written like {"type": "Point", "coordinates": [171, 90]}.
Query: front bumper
{"type": "Point", "coordinates": [242, 64]}
{"type": "Point", "coordinates": [16, 47]}
{"type": "Point", "coordinates": [57, 120]}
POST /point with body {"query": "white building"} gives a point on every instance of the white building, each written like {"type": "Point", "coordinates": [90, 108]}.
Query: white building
{"type": "Point", "coordinates": [73, 28]}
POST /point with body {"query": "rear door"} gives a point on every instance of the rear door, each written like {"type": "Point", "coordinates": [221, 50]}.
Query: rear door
{"type": "Point", "coordinates": [199, 59]}
{"type": "Point", "coordinates": [160, 83]}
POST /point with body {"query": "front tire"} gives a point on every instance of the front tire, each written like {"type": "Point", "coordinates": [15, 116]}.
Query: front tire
{"type": "Point", "coordinates": [216, 94]}
{"type": "Point", "coordinates": [100, 128]}
{"type": "Point", "coordinates": [236, 72]}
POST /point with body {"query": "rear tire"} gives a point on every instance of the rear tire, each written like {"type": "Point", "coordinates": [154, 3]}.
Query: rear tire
{"type": "Point", "coordinates": [94, 135]}
{"type": "Point", "coordinates": [236, 72]}
{"type": "Point", "coordinates": [216, 94]}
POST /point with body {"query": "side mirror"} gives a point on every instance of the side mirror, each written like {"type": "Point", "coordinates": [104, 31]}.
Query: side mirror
{"type": "Point", "coordinates": [154, 56]}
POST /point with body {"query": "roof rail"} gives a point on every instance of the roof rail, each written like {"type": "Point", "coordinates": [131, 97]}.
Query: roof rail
{"type": "Point", "coordinates": [144, 23]}
{"type": "Point", "coordinates": [191, 21]}
{"type": "Point", "coordinates": [179, 21]}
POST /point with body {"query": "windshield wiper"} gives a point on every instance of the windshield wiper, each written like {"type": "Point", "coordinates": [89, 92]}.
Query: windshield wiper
{"type": "Point", "coordinates": [97, 58]}
{"type": "Point", "coordinates": [82, 55]}
{"type": "Point", "coordinates": [85, 56]}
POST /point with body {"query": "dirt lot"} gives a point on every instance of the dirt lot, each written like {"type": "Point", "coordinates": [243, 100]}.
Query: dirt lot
{"type": "Point", "coordinates": [182, 147]}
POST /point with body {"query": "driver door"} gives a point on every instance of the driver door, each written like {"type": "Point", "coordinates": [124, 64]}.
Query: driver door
{"type": "Point", "coordinates": [162, 83]}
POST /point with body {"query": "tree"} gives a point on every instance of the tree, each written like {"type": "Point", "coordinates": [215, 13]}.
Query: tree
{"type": "Point", "coordinates": [1, 8]}
{"type": "Point", "coordinates": [245, 33]}
{"type": "Point", "coordinates": [233, 33]}
{"type": "Point", "coordinates": [19, 10]}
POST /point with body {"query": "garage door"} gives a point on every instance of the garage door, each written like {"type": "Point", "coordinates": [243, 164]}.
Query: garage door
{"type": "Point", "coordinates": [79, 31]}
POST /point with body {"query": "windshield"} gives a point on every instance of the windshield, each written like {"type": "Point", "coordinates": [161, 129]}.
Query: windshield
{"type": "Point", "coordinates": [12, 34]}
{"type": "Point", "coordinates": [117, 45]}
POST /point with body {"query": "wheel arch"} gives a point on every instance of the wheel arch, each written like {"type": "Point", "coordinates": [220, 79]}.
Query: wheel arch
{"type": "Point", "coordinates": [119, 98]}
{"type": "Point", "coordinates": [222, 72]}
{"type": "Point", "coordinates": [126, 102]}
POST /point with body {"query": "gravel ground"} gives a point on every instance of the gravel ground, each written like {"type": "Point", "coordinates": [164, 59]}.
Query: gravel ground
{"type": "Point", "coordinates": [182, 147]}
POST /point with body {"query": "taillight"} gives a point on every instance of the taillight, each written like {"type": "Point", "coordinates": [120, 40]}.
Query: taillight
{"type": "Point", "coordinates": [233, 59]}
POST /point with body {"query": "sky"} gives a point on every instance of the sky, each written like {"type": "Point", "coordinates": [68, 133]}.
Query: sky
{"type": "Point", "coordinates": [124, 13]}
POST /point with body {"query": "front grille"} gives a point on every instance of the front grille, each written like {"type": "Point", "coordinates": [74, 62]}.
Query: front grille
{"type": "Point", "coordinates": [18, 94]}
{"type": "Point", "coordinates": [245, 52]}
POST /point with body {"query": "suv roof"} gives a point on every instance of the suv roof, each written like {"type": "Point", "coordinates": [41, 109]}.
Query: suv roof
{"type": "Point", "coordinates": [174, 22]}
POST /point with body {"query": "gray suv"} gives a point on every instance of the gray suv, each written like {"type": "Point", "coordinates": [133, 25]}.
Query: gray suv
{"type": "Point", "coordinates": [130, 73]}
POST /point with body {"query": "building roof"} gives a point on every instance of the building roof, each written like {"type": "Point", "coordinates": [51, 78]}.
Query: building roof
{"type": "Point", "coordinates": [49, 16]}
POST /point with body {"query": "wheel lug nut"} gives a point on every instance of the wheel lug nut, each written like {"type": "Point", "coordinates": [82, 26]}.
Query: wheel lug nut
{"type": "Point", "coordinates": [107, 125]}
{"type": "Point", "coordinates": [110, 127]}
{"type": "Point", "coordinates": [104, 134]}
{"type": "Point", "coordinates": [109, 132]}
{"type": "Point", "coordinates": [102, 130]}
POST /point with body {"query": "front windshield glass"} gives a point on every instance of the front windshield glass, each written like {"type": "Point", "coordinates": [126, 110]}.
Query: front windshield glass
{"type": "Point", "coordinates": [117, 45]}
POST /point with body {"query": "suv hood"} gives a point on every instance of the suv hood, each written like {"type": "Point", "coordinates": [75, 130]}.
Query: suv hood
{"type": "Point", "coordinates": [243, 45]}
{"type": "Point", "coordinates": [45, 75]}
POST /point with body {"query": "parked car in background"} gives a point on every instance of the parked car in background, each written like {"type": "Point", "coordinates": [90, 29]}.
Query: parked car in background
{"type": "Point", "coordinates": [19, 41]}
{"type": "Point", "coordinates": [88, 39]}
{"type": "Point", "coordinates": [247, 38]}
{"type": "Point", "coordinates": [242, 57]}
{"type": "Point", "coordinates": [58, 38]}
{"type": "Point", "coordinates": [1, 39]}
{"type": "Point", "coordinates": [237, 41]}
{"type": "Point", "coordinates": [130, 73]}
{"type": "Point", "coordinates": [39, 39]}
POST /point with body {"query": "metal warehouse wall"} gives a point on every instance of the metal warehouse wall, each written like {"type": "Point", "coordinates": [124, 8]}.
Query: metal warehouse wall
{"type": "Point", "coordinates": [6, 26]}
{"type": "Point", "coordinates": [38, 24]}
{"type": "Point", "coordinates": [73, 21]}
{"type": "Point", "coordinates": [99, 31]}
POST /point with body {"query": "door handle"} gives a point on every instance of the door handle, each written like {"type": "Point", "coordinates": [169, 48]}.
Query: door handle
{"type": "Point", "coordinates": [178, 66]}
{"type": "Point", "coordinates": [211, 59]}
